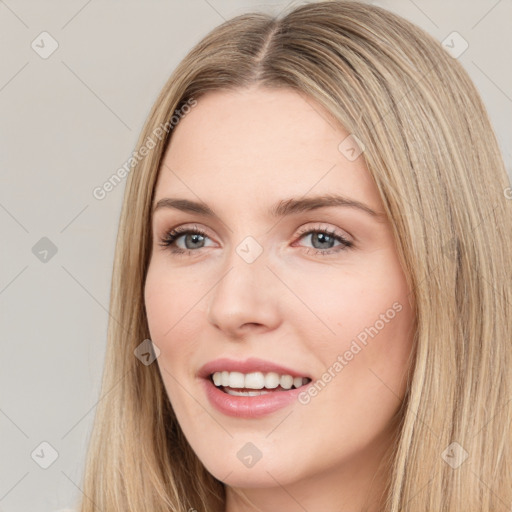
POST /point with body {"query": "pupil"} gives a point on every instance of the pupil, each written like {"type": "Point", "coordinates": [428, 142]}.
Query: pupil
{"type": "Point", "coordinates": [195, 238]}
{"type": "Point", "coordinates": [322, 238]}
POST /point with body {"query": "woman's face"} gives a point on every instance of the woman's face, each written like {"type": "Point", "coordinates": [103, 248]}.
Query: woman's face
{"type": "Point", "coordinates": [282, 275]}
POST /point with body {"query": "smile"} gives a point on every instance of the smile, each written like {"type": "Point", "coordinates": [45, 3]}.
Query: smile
{"type": "Point", "coordinates": [244, 402]}
{"type": "Point", "coordinates": [234, 383]}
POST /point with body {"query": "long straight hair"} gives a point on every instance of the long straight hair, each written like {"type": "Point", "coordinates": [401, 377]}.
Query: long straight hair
{"type": "Point", "coordinates": [432, 153]}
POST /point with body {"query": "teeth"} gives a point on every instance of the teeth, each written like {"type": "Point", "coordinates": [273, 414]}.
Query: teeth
{"type": "Point", "coordinates": [286, 381]}
{"type": "Point", "coordinates": [254, 380]}
{"type": "Point", "coordinates": [257, 380]}
{"type": "Point", "coordinates": [246, 393]}
{"type": "Point", "coordinates": [271, 380]}
{"type": "Point", "coordinates": [236, 380]}
{"type": "Point", "coordinates": [297, 382]}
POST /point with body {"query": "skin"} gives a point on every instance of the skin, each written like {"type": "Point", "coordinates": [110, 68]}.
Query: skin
{"type": "Point", "coordinates": [240, 152]}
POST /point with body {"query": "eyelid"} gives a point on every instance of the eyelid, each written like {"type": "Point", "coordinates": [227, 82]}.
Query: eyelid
{"type": "Point", "coordinates": [324, 227]}
{"type": "Point", "coordinates": [321, 226]}
{"type": "Point", "coordinates": [184, 228]}
{"type": "Point", "coordinates": [168, 241]}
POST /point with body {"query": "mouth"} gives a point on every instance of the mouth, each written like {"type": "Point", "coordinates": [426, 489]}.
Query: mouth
{"type": "Point", "coordinates": [251, 388]}
{"type": "Point", "coordinates": [255, 383]}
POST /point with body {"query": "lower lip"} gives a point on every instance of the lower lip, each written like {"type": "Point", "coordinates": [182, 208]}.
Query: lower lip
{"type": "Point", "coordinates": [249, 406]}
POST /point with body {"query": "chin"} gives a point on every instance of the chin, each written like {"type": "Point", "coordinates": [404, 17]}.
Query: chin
{"type": "Point", "coordinates": [247, 478]}
{"type": "Point", "coordinates": [238, 462]}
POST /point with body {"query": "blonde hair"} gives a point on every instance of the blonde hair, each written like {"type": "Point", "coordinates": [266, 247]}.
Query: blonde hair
{"type": "Point", "coordinates": [432, 153]}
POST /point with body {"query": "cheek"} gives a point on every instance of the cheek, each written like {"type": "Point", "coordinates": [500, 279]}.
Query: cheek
{"type": "Point", "coordinates": [364, 316]}
{"type": "Point", "coordinates": [345, 304]}
{"type": "Point", "coordinates": [174, 312]}
{"type": "Point", "coordinates": [171, 299]}
{"type": "Point", "coordinates": [366, 358]}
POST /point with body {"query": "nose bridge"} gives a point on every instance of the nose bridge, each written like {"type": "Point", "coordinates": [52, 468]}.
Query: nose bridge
{"type": "Point", "coordinates": [244, 271]}
{"type": "Point", "coordinates": [244, 295]}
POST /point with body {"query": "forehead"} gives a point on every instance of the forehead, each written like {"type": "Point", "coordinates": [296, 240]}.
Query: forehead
{"type": "Point", "coordinates": [267, 143]}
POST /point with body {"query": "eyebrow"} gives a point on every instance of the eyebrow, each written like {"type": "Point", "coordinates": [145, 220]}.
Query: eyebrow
{"type": "Point", "coordinates": [280, 209]}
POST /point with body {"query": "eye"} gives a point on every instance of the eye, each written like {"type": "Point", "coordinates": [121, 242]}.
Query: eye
{"type": "Point", "coordinates": [323, 240]}
{"type": "Point", "coordinates": [193, 238]}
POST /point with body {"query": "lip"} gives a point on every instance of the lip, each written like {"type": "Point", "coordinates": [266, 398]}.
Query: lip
{"type": "Point", "coordinates": [250, 406]}
{"type": "Point", "coordinates": [253, 364]}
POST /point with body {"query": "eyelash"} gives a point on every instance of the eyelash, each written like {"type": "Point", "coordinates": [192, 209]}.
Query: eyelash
{"type": "Point", "coordinates": [172, 235]}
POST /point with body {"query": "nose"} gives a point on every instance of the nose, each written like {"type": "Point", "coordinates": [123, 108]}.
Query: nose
{"type": "Point", "coordinates": [246, 299]}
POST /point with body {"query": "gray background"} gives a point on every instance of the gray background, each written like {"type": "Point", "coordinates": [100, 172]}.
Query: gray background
{"type": "Point", "coordinates": [69, 121]}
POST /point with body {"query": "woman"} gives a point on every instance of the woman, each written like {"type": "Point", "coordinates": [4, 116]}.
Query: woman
{"type": "Point", "coordinates": [312, 288]}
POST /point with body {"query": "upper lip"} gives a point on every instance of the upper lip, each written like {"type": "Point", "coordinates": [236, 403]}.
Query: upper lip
{"type": "Point", "coordinates": [250, 365]}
